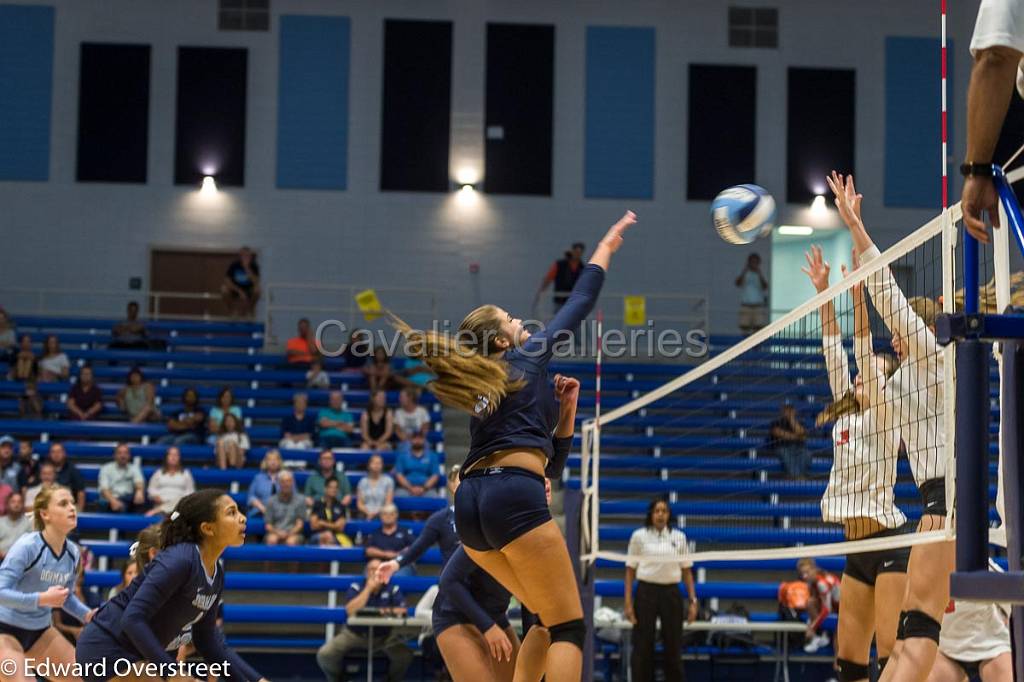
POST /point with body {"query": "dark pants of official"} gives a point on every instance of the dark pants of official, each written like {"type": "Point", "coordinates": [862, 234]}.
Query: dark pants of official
{"type": "Point", "coordinates": [653, 602]}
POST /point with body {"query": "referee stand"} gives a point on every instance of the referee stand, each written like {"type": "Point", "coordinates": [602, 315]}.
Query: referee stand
{"type": "Point", "coordinates": [973, 333]}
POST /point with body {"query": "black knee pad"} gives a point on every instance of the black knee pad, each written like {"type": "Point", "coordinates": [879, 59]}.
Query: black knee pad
{"type": "Point", "coordinates": [882, 662]}
{"type": "Point", "coordinates": [850, 671]}
{"type": "Point", "coordinates": [573, 631]}
{"type": "Point", "coordinates": [920, 624]}
{"type": "Point", "coordinates": [901, 632]}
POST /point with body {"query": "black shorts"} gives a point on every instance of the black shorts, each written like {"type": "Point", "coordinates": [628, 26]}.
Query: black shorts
{"type": "Point", "coordinates": [867, 566]}
{"type": "Point", "coordinates": [971, 668]}
{"type": "Point", "coordinates": [26, 638]}
{"type": "Point", "coordinates": [496, 505]}
{"type": "Point", "coordinates": [933, 496]}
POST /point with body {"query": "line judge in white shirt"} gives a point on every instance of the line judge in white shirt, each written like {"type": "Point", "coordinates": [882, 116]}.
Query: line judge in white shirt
{"type": "Point", "coordinates": [657, 593]}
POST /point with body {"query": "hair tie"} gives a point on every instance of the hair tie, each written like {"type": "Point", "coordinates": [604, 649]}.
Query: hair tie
{"type": "Point", "coordinates": [133, 550]}
{"type": "Point", "coordinates": [174, 515]}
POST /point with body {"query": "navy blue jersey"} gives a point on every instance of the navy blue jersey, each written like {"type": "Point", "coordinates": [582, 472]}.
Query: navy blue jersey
{"type": "Point", "coordinates": [527, 418]}
{"type": "Point", "coordinates": [31, 567]}
{"type": "Point", "coordinates": [469, 591]}
{"type": "Point", "coordinates": [394, 542]}
{"type": "Point", "coordinates": [439, 528]}
{"type": "Point", "coordinates": [175, 602]}
{"type": "Point", "coordinates": [386, 597]}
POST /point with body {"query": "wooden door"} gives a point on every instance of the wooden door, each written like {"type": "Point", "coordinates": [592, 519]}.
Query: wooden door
{"type": "Point", "coordinates": [192, 272]}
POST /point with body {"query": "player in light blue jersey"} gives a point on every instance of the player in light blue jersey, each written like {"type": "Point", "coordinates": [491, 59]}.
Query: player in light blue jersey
{"type": "Point", "coordinates": [37, 576]}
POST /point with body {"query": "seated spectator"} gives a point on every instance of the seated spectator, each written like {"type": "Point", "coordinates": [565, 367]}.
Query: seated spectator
{"type": "Point", "coordinates": [410, 418]}
{"type": "Point", "coordinates": [14, 523]}
{"type": "Point", "coordinates": [417, 471]}
{"type": "Point", "coordinates": [300, 348]}
{"type": "Point", "coordinates": [241, 288]}
{"type": "Point", "coordinates": [188, 427]}
{"type": "Point", "coordinates": [388, 541]}
{"type": "Point", "coordinates": [225, 404]}
{"type": "Point", "coordinates": [335, 422]}
{"type": "Point", "coordinates": [30, 402]}
{"type": "Point", "coordinates": [128, 573]}
{"type": "Point", "coordinates": [377, 423]}
{"type": "Point", "coordinates": [375, 489]}
{"type": "Point", "coordinates": [285, 514]}
{"type": "Point", "coordinates": [788, 440]}
{"type": "Point", "coordinates": [232, 443]}
{"type": "Point", "coordinates": [137, 398]}
{"type": "Point", "coordinates": [168, 484]}
{"type": "Point", "coordinates": [25, 366]}
{"type": "Point", "coordinates": [385, 599]}
{"type": "Point", "coordinates": [357, 351]}
{"type": "Point", "coordinates": [67, 474]}
{"type": "Point", "coordinates": [326, 469]}
{"type": "Point", "coordinates": [130, 333]}
{"type": "Point", "coordinates": [298, 428]}
{"type": "Point", "coordinates": [85, 400]}
{"type": "Point", "coordinates": [121, 483]}
{"type": "Point", "coordinates": [28, 466]}
{"type": "Point", "coordinates": [823, 599]}
{"type": "Point", "coordinates": [54, 365]}
{"type": "Point", "coordinates": [264, 484]}
{"type": "Point", "coordinates": [9, 467]}
{"type": "Point", "coordinates": [329, 515]}
{"type": "Point", "coordinates": [316, 377]}
{"type": "Point", "coordinates": [8, 338]}
{"type": "Point", "coordinates": [378, 373]}
{"type": "Point", "coordinates": [47, 477]}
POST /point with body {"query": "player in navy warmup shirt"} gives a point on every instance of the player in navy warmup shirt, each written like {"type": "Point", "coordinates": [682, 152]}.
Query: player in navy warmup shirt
{"type": "Point", "coordinates": [37, 576]}
{"type": "Point", "coordinates": [176, 601]}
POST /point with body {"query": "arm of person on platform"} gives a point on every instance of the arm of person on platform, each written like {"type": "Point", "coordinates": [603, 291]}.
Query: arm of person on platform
{"type": "Point", "coordinates": [567, 390]}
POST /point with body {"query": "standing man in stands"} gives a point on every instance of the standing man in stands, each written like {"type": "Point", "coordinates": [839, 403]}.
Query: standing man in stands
{"type": "Point", "coordinates": [241, 288]}
{"type": "Point", "coordinates": [564, 274]}
{"type": "Point", "coordinates": [753, 296]}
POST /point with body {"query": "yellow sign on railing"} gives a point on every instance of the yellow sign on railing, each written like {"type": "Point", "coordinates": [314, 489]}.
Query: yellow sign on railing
{"type": "Point", "coordinates": [634, 310]}
{"type": "Point", "coordinates": [369, 304]}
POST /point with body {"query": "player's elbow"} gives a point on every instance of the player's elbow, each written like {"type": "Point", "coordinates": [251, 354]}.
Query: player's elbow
{"type": "Point", "coordinates": [997, 58]}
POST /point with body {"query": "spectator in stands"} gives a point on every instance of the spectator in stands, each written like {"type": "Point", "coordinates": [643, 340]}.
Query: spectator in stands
{"type": "Point", "coordinates": [285, 514]}
{"type": "Point", "coordinates": [298, 428]}
{"type": "Point", "coordinates": [8, 338]}
{"type": "Point", "coordinates": [301, 347]}
{"type": "Point", "coordinates": [28, 466]}
{"type": "Point", "coordinates": [24, 367]}
{"type": "Point", "coordinates": [388, 541]}
{"type": "Point", "coordinates": [822, 601]}
{"type": "Point", "coordinates": [377, 423]}
{"type": "Point", "coordinates": [326, 469]}
{"type": "Point", "coordinates": [563, 273]}
{"type": "Point", "coordinates": [336, 423]}
{"type": "Point", "coordinates": [357, 351]}
{"type": "Point", "coordinates": [375, 489]}
{"type": "Point", "coordinates": [54, 365]}
{"type": "Point", "coordinates": [30, 402]}
{"type": "Point", "coordinates": [168, 484]}
{"type": "Point", "coordinates": [410, 418]}
{"type": "Point", "coordinates": [753, 296]}
{"type": "Point", "coordinates": [85, 400]}
{"type": "Point", "coordinates": [121, 483]}
{"type": "Point", "coordinates": [384, 600]}
{"type": "Point", "coordinates": [417, 471]}
{"type": "Point", "coordinates": [14, 523]}
{"type": "Point", "coordinates": [6, 490]}
{"type": "Point", "coordinates": [188, 427]}
{"type": "Point", "coordinates": [67, 474]}
{"type": "Point", "coordinates": [129, 333]}
{"type": "Point", "coordinates": [379, 373]}
{"type": "Point", "coordinates": [232, 443]}
{"type": "Point", "coordinates": [225, 404]}
{"type": "Point", "coordinates": [137, 398]}
{"type": "Point", "coordinates": [47, 477]}
{"type": "Point", "coordinates": [128, 573]}
{"type": "Point", "coordinates": [316, 377]}
{"type": "Point", "coordinates": [329, 516]}
{"type": "Point", "coordinates": [657, 593]}
{"type": "Point", "coordinates": [787, 439]}
{"type": "Point", "coordinates": [241, 288]}
{"type": "Point", "coordinates": [8, 465]}
{"type": "Point", "coordinates": [264, 484]}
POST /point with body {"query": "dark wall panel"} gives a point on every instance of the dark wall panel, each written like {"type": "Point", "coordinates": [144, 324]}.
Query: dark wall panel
{"type": "Point", "coordinates": [520, 89]}
{"type": "Point", "coordinates": [820, 129]}
{"type": "Point", "coordinates": [416, 113]}
{"type": "Point", "coordinates": [113, 113]}
{"type": "Point", "coordinates": [721, 141]}
{"type": "Point", "coordinates": [210, 126]}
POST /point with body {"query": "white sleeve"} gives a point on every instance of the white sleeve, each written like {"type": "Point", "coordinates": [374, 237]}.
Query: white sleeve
{"type": "Point", "coordinates": [837, 365]}
{"type": "Point", "coordinates": [896, 312]}
{"type": "Point", "coordinates": [635, 548]}
{"type": "Point", "coordinates": [686, 563]}
{"type": "Point", "coordinates": [1000, 23]}
{"type": "Point", "coordinates": [874, 382]}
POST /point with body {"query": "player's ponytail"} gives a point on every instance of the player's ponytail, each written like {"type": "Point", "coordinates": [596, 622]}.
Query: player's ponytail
{"type": "Point", "coordinates": [467, 378]}
{"type": "Point", "coordinates": [185, 522]}
{"type": "Point", "coordinates": [848, 403]}
{"type": "Point", "coordinates": [147, 541]}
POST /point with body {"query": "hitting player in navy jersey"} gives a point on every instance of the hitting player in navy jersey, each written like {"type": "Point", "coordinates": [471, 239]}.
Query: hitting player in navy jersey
{"type": "Point", "coordinates": [496, 371]}
{"type": "Point", "coordinates": [38, 575]}
{"type": "Point", "coordinates": [176, 601]}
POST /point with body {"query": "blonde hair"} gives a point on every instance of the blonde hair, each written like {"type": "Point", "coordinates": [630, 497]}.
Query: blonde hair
{"type": "Point", "coordinates": [273, 452]}
{"type": "Point", "coordinates": [848, 403]}
{"type": "Point", "coordinates": [148, 539]}
{"type": "Point", "coordinates": [467, 378]}
{"type": "Point", "coordinates": [987, 294]}
{"type": "Point", "coordinates": [925, 308]}
{"type": "Point", "coordinates": [42, 501]}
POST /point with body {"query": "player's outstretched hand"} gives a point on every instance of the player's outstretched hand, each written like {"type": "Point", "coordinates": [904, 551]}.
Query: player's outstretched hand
{"type": "Point", "coordinates": [979, 195]}
{"type": "Point", "coordinates": [498, 643]}
{"type": "Point", "coordinates": [847, 200]}
{"type": "Point", "coordinates": [613, 239]}
{"type": "Point", "coordinates": [817, 268]}
{"type": "Point", "coordinates": [54, 597]}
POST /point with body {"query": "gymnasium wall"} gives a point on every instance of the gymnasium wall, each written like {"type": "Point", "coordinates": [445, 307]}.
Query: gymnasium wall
{"type": "Point", "coordinates": [617, 65]}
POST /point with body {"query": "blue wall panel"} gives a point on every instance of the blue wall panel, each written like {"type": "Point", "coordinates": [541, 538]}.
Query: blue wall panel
{"type": "Point", "coordinates": [619, 154]}
{"type": "Point", "coordinates": [312, 115]}
{"type": "Point", "coordinates": [26, 87]}
{"type": "Point", "coordinates": [913, 127]}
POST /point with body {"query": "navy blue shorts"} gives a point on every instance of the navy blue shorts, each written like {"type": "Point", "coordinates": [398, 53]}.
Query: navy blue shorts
{"type": "Point", "coordinates": [96, 645]}
{"type": "Point", "coordinates": [26, 638]}
{"type": "Point", "coordinates": [441, 620]}
{"type": "Point", "coordinates": [496, 505]}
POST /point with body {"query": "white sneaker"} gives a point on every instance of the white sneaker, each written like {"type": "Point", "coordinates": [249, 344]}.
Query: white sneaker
{"type": "Point", "coordinates": [816, 643]}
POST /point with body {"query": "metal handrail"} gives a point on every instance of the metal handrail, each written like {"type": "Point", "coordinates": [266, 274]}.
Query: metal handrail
{"type": "Point", "coordinates": [41, 294]}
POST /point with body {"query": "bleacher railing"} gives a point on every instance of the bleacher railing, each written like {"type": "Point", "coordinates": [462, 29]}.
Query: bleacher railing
{"type": "Point", "coordinates": [103, 303]}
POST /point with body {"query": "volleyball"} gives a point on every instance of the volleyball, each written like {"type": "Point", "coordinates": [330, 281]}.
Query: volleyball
{"type": "Point", "coordinates": [743, 213]}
